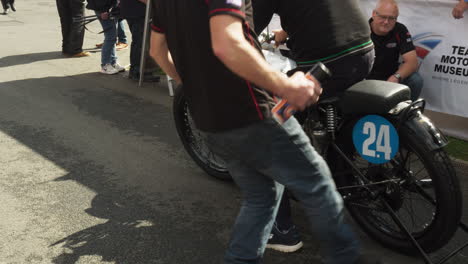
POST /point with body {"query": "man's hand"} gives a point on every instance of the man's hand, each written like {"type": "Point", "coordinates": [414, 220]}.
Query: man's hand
{"type": "Point", "coordinates": [104, 16]}
{"type": "Point", "coordinates": [301, 92]}
{"type": "Point", "coordinates": [393, 79]}
{"type": "Point", "coordinates": [459, 9]}
{"type": "Point", "coordinates": [280, 36]}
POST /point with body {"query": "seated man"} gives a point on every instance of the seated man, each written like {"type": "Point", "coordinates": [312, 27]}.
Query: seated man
{"type": "Point", "coordinates": [392, 39]}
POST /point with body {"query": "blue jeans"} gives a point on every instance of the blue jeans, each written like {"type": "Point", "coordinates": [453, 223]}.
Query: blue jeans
{"type": "Point", "coordinates": [415, 82]}
{"type": "Point", "coordinates": [264, 157]}
{"type": "Point", "coordinates": [122, 37]}
{"type": "Point", "coordinates": [108, 54]}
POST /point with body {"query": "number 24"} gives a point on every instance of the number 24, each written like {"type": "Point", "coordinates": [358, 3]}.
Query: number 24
{"type": "Point", "coordinates": [383, 140]}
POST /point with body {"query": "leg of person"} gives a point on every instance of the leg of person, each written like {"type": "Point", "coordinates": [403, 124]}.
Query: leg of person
{"type": "Point", "coordinates": [108, 55]}
{"type": "Point", "coordinates": [283, 153]}
{"type": "Point", "coordinates": [77, 31]}
{"type": "Point", "coordinates": [415, 82]}
{"type": "Point", "coordinates": [304, 172]}
{"type": "Point", "coordinates": [5, 6]}
{"type": "Point", "coordinates": [255, 219]}
{"type": "Point", "coordinates": [284, 235]}
{"type": "Point", "coordinates": [121, 36]}
{"type": "Point", "coordinates": [63, 8]}
{"type": "Point", "coordinates": [136, 26]}
{"type": "Point", "coordinates": [12, 5]}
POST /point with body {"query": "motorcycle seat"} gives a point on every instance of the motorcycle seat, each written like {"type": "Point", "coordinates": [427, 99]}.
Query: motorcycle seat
{"type": "Point", "coordinates": [373, 97]}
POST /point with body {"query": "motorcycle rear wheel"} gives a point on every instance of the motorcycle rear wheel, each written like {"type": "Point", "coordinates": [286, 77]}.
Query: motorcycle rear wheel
{"type": "Point", "coordinates": [422, 188]}
{"type": "Point", "coordinates": [194, 141]}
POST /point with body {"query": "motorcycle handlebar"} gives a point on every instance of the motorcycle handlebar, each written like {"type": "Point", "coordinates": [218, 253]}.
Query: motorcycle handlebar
{"type": "Point", "coordinates": [282, 111]}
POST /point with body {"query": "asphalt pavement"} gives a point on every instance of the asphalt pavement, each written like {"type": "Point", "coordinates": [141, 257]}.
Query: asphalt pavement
{"type": "Point", "coordinates": [92, 170]}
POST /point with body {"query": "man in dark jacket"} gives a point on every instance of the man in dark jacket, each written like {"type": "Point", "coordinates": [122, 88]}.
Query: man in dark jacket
{"type": "Point", "coordinates": [71, 12]}
{"type": "Point", "coordinates": [134, 12]}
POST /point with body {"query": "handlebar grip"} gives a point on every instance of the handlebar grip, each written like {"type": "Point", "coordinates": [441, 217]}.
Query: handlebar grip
{"type": "Point", "coordinates": [320, 72]}
{"type": "Point", "coordinates": [282, 111]}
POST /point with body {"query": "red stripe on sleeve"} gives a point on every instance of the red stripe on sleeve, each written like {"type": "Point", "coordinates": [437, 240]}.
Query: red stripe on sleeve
{"type": "Point", "coordinates": [155, 28]}
{"type": "Point", "coordinates": [227, 10]}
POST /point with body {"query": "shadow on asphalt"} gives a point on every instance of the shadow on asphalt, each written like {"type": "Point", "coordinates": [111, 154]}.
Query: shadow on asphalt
{"type": "Point", "coordinates": [30, 58]}
{"type": "Point", "coordinates": [138, 227]}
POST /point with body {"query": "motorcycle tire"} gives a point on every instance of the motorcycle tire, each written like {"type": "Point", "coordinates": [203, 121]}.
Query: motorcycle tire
{"type": "Point", "coordinates": [438, 180]}
{"type": "Point", "coordinates": [193, 141]}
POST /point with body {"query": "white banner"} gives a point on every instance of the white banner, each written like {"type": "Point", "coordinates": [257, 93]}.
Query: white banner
{"type": "Point", "coordinates": [442, 47]}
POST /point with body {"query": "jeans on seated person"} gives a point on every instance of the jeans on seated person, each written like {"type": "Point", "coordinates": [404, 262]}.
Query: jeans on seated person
{"type": "Point", "coordinates": [261, 156]}
{"type": "Point", "coordinates": [415, 82]}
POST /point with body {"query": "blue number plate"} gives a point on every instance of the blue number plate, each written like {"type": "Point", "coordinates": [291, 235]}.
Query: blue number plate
{"type": "Point", "coordinates": [376, 139]}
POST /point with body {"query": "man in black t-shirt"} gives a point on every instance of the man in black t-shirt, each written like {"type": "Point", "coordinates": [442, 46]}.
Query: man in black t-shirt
{"type": "Point", "coordinates": [210, 47]}
{"type": "Point", "coordinates": [332, 32]}
{"type": "Point", "coordinates": [392, 41]}
{"type": "Point", "coordinates": [335, 33]}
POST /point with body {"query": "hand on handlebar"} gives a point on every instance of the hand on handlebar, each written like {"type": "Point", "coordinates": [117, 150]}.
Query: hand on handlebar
{"type": "Point", "coordinates": [280, 36]}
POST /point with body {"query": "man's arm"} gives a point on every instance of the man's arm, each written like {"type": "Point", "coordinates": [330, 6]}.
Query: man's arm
{"type": "Point", "coordinates": [160, 52]}
{"type": "Point", "coordinates": [409, 65]}
{"type": "Point", "coordinates": [459, 9]}
{"type": "Point", "coordinates": [231, 47]}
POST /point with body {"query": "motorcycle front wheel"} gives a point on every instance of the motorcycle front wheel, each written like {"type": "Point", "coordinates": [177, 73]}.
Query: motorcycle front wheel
{"type": "Point", "coordinates": [194, 141]}
{"type": "Point", "coordinates": [419, 184]}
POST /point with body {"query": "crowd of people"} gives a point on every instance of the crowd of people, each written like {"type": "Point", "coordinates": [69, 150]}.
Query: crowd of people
{"type": "Point", "coordinates": [111, 15]}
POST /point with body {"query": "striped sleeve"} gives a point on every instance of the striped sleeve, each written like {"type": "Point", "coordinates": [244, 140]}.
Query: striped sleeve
{"type": "Point", "coordinates": [231, 7]}
{"type": "Point", "coordinates": [156, 23]}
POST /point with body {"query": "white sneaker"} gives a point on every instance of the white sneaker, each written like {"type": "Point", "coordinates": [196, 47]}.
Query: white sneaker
{"type": "Point", "coordinates": [109, 69]}
{"type": "Point", "coordinates": [118, 67]}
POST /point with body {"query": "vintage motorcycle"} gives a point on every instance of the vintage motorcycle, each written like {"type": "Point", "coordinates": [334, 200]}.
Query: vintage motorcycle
{"type": "Point", "coordinates": [387, 159]}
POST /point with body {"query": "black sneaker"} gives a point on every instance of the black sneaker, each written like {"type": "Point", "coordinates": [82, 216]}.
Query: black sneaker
{"type": "Point", "coordinates": [284, 241]}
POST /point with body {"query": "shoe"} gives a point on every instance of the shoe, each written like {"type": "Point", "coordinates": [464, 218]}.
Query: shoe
{"type": "Point", "coordinates": [284, 241]}
{"type": "Point", "coordinates": [368, 259]}
{"type": "Point", "coordinates": [12, 6]}
{"type": "Point", "coordinates": [99, 45]}
{"type": "Point", "coordinates": [118, 67]}
{"type": "Point", "coordinates": [5, 11]}
{"type": "Point", "coordinates": [79, 54]}
{"type": "Point", "coordinates": [109, 69]}
{"type": "Point", "coordinates": [121, 46]}
{"type": "Point", "coordinates": [147, 77]}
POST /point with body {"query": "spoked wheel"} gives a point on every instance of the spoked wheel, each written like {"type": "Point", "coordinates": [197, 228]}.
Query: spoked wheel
{"type": "Point", "coordinates": [194, 141]}
{"type": "Point", "coordinates": [419, 184]}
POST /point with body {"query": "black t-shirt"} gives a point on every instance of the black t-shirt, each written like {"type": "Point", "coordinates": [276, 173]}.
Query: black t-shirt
{"type": "Point", "coordinates": [318, 30]}
{"type": "Point", "coordinates": [218, 99]}
{"type": "Point", "coordinates": [388, 49]}
{"type": "Point", "coordinates": [132, 9]}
